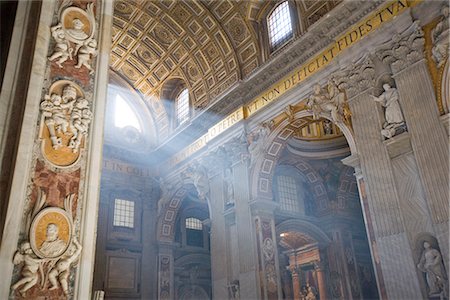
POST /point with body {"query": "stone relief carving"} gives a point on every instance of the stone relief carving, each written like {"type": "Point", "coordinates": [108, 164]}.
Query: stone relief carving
{"type": "Point", "coordinates": [431, 264]}
{"type": "Point", "coordinates": [330, 101]}
{"type": "Point", "coordinates": [405, 49]}
{"type": "Point", "coordinates": [440, 38]}
{"type": "Point", "coordinates": [51, 248]}
{"type": "Point", "coordinates": [394, 121]}
{"type": "Point", "coordinates": [74, 35]}
{"type": "Point", "coordinates": [67, 115]}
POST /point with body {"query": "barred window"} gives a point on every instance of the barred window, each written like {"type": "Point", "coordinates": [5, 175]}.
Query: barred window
{"type": "Point", "coordinates": [193, 223]}
{"type": "Point", "coordinates": [279, 25]}
{"type": "Point", "coordinates": [182, 106]}
{"type": "Point", "coordinates": [287, 193]}
{"type": "Point", "coordinates": [123, 213]}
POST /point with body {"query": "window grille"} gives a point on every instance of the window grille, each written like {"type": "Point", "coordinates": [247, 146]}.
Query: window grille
{"type": "Point", "coordinates": [279, 25]}
{"type": "Point", "coordinates": [194, 223]}
{"type": "Point", "coordinates": [182, 106]}
{"type": "Point", "coordinates": [123, 213]}
{"type": "Point", "coordinates": [287, 193]}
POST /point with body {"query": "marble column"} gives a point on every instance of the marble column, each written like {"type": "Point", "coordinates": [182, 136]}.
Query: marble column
{"type": "Point", "coordinates": [382, 209]}
{"type": "Point", "coordinates": [266, 243]}
{"type": "Point", "coordinates": [296, 286]}
{"type": "Point", "coordinates": [165, 272]}
{"type": "Point", "coordinates": [60, 182]}
{"type": "Point", "coordinates": [428, 137]}
{"type": "Point", "coordinates": [321, 281]}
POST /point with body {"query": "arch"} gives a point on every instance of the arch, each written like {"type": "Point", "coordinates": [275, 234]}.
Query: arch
{"type": "Point", "coordinates": [264, 168]}
{"type": "Point", "coordinates": [305, 227]}
{"type": "Point", "coordinates": [167, 218]}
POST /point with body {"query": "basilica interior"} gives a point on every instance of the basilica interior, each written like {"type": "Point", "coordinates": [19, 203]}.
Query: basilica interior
{"type": "Point", "coordinates": [205, 149]}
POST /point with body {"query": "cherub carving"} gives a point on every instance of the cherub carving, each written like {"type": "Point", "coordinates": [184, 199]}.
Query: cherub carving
{"type": "Point", "coordinates": [61, 270]}
{"type": "Point", "coordinates": [86, 52]}
{"type": "Point", "coordinates": [30, 268]}
{"type": "Point", "coordinates": [62, 49]}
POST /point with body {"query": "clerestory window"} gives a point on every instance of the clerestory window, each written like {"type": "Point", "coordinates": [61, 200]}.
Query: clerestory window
{"type": "Point", "coordinates": [182, 107]}
{"type": "Point", "coordinates": [280, 27]}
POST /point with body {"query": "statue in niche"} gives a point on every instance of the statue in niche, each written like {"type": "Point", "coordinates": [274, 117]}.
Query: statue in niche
{"type": "Point", "coordinates": [233, 290]}
{"type": "Point", "coordinates": [52, 245]}
{"type": "Point", "coordinates": [229, 187]}
{"type": "Point", "coordinates": [256, 141]}
{"type": "Point", "coordinates": [86, 52]}
{"type": "Point", "coordinates": [199, 175]}
{"type": "Point", "coordinates": [393, 114]}
{"type": "Point", "coordinates": [61, 271]}
{"type": "Point", "coordinates": [62, 49]}
{"type": "Point", "coordinates": [30, 268]}
{"type": "Point", "coordinates": [431, 264]}
{"type": "Point", "coordinates": [440, 38]}
{"type": "Point", "coordinates": [329, 102]}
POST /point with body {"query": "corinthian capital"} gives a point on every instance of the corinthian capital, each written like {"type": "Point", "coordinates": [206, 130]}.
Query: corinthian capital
{"type": "Point", "coordinates": [356, 77]}
{"type": "Point", "coordinates": [404, 49]}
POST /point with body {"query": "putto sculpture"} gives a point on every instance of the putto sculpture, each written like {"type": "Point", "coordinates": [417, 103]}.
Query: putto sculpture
{"type": "Point", "coordinates": [328, 102]}
{"type": "Point", "coordinates": [440, 38]}
{"type": "Point", "coordinates": [74, 36]}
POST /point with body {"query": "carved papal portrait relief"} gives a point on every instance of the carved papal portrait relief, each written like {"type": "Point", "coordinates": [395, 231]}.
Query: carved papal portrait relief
{"type": "Point", "coordinates": [51, 233]}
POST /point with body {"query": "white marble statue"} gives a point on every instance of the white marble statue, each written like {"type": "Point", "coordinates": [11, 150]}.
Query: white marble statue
{"type": "Point", "coordinates": [85, 54]}
{"type": "Point", "coordinates": [61, 270]}
{"type": "Point", "coordinates": [62, 49]}
{"type": "Point", "coordinates": [329, 102]}
{"type": "Point", "coordinates": [31, 265]}
{"type": "Point", "coordinates": [229, 187]}
{"type": "Point", "coordinates": [199, 175]}
{"type": "Point", "coordinates": [431, 264]}
{"type": "Point", "coordinates": [393, 113]}
{"type": "Point", "coordinates": [52, 246]}
{"type": "Point", "coordinates": [256, 141]}
{"type": "Point", "coordinates": [440, 38]}
{"type": "Point", "coordinates": [80, 118]}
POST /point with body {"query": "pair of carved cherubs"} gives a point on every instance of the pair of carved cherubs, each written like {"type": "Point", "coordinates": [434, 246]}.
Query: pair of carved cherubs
{"type": "Point", "coordinates": [86, 47]}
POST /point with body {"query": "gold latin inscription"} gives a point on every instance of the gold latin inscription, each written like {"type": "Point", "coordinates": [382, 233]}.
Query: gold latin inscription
{"type": "Point", "coordinates": [355, 34]}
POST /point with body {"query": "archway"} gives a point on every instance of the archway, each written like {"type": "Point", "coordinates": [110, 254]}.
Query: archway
{"type": "Point", "coordinates": [322, 241]}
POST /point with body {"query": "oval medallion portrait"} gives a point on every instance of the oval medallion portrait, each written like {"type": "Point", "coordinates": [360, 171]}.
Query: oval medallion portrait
{"type": "Point", "coordinates": [51, 232]}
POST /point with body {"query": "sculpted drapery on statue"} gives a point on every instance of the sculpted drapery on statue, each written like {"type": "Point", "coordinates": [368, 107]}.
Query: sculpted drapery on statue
{"type": "Point", "coordinates": [431, 264]}
{"type": "Point", "coordinates": [330, 101]}
{"type": "Point", "coordinates": [393, 113]}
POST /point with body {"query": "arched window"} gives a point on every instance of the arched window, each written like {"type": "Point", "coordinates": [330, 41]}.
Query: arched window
{"type": "Point", "coordinates": [124, 115]}
{"type": "Point", "coordinates": [279, 25]}
{"type": "Point", "coordinates": [182, 106]}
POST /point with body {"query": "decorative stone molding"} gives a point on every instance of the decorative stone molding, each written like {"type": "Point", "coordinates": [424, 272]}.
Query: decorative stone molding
{"type": "Point", "coordinates": [405, 49]}
{"type": "Point", "coordinates": [74, 35]}
{"type": "Point", "coordinates": [356, 77]}
{"type": "Point", "coordinates": [66, 116]}
{"type": "Point", "coordinates": [237, 149]}
{"type": "Point", "coordinates": [199, 174]}
{"type": "Point", "coordinates": [51, 247]}
{"type": "Point", "coordinates": [440, 38]}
